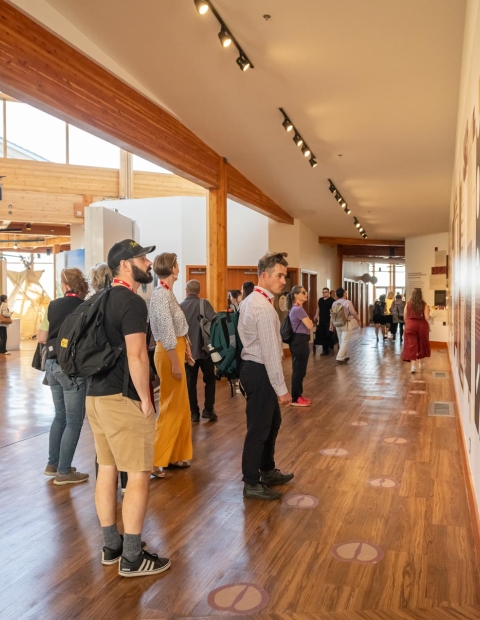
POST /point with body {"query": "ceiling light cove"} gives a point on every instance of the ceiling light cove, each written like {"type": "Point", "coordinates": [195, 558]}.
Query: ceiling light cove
{"type": "Point", "coordinates": [225, 35]}
{"type": "Point", "coordinates": [297, 138]}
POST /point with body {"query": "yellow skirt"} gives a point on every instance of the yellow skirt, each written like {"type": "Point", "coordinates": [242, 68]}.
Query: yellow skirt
{"type": "Point", "coordinates": [173, 434]}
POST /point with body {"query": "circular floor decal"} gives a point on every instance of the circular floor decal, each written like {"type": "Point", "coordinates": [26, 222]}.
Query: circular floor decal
{"type": "Point", "coordinates": [383, 482]}
{"type": "Point", "coordinates": [418, 392]}
{"type": "Point", "coordinates": [359, 551]}
{"type": "Point", "coordinates": [395, 440]}
{"type": "Point", "coordinates": [359, 423]}
{"type": "Point", "coordinates": [409, 412]}
{"type": "Point", "coordinates": [241, 598]}
{"type": "Point", "coordinates": [301, 502]}
{"type": "Point", "coordinates": [373, 397]}
{"type": "Point", "coordinates": [334, 452]}
{"type": "Point", "coordinates": [382, 383]}
{"type": "Point", "coordinates": [417, 381]}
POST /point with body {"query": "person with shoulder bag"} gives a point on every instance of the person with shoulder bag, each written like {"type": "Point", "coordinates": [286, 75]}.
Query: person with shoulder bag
{"type": "Point", "coordinates": [302, 324]}
{"type": "Point", "coordinates": [5, 319]}
{"type": "Point", "coordinates": [397, 311]}
{"type": "Point", "coordinates": [342, 313]}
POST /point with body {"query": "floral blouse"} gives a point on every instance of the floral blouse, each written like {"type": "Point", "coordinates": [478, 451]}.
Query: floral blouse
{"type": "Point", "coordinates": [167, 319]}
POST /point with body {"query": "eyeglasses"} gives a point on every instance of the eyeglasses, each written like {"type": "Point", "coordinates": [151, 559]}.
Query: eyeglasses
{"type": "Point", "coordinates": [303, 293]}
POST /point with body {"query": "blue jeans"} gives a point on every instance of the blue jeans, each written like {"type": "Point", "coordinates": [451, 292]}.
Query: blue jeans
{"type": "Point", "coordinates": [68, 395]}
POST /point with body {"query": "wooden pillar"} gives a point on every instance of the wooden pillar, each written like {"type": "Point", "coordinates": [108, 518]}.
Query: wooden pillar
{"type": "Point", "coordinates": [217, 241]}
{"type": "Point", "coordinates": [339, 282]}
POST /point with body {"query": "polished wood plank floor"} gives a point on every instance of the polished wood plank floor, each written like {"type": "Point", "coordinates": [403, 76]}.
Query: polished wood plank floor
{"type": "Point", "coordinates": [50, 543]}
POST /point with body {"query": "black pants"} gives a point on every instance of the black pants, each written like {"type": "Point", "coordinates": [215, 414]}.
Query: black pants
{"type": "Point", "coordinates": [324, 337]}
{"type": "Point", "coordinates": [263, 422]}
{"type": "Point", "coordinates": [300, 351]}
{"type": "Point", "coordinates": [208, 371]}
{"type": "Point", "coordinates": [3, 339]}
{"type": "Point", "coordinates": [393, 329]}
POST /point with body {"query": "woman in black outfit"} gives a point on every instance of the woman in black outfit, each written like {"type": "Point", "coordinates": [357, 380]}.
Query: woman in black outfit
{"type": "Point", "coordinates": [299, 346]}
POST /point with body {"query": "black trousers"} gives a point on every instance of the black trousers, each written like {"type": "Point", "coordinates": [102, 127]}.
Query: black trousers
{"type": "Point", "coordinates": [263, 422]}
{"type": "Point", "coordinates": [208, 371]}
{"type": "Point", "coordinates": [393, 329]}
{"type": "Point", "coordinates": [3, 339]}
{"type": "Point", "coordinates": [324, 337]}
{"type": "Point", "coordinates": [300, 351]}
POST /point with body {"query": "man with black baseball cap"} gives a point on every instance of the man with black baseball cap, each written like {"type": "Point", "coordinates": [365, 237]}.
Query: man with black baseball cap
{"type": "Point", "coordinates": [120, 412]}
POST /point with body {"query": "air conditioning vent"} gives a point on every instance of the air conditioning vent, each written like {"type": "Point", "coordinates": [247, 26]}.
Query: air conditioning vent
{"type": "Point", "coordinates": [441, 409]}
{"type": "Point", "coordinates": [440, 375]}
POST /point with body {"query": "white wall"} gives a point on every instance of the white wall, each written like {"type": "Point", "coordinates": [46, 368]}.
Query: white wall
{"type": "Point", "coordinates": [247, 235]}
{"type": "Point", "coordinates": [354, 270]}
{"type": "Point", "coordinates": [103, 228]}
{"type": "Point", "coordinates": [419, 259]}
{"type": "Point", "coordinates": [304, 251]}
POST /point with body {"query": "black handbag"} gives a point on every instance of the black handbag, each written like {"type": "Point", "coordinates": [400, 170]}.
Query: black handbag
{"type": "Point", "coordinates": [39, 357]}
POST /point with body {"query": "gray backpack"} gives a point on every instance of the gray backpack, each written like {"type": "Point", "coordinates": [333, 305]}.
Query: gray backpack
{"type": "Point", "coordinates": [338, 316]}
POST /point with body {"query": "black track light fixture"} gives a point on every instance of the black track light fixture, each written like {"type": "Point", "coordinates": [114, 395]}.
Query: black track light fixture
{"type": "Point", "coordinates": [225, 35]}
{"type": "Point", "coordinates": [297, 138]}
{"type": "Point", "coordinates": [201, 6]}
{"type": "Point", "coordinates": [243, 63]}
{"type": "Point", "coordinates": [356, 222]}
{"type": "Point", "coordinates": [348, 210]}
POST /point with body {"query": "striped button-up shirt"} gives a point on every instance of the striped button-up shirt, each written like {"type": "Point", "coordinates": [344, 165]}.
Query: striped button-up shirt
{"type": "Point", "coordinates": [259, 330]}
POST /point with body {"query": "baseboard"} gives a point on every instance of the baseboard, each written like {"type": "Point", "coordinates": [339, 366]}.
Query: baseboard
{"type": "Point", "coordinates": [471, 497]}
{"type": "Point", "coordinates": [435, 344]}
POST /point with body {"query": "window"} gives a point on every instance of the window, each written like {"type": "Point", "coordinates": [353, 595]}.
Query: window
{"type": "Point", "coordinates": [87, 150]}
{"type": "Point", "coordinates": [142, 165]}
{"type": "Point", "coordinates": [382, 273]}
{"type": "Point", "coordinates": [399, 276]}
{"type": "Point", "coordinates": [33, 134]}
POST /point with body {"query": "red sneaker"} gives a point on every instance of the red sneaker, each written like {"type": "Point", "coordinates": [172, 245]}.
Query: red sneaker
{"type": "Point", "coordinates": [307, 399]}
{"type": "Point", "coordinates": [301, 402]}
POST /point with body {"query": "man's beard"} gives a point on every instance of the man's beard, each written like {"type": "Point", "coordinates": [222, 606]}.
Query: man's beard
{"type": "Point", "coordinates": [142, 277]}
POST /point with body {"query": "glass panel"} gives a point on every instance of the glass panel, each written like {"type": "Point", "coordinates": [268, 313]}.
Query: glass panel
{"type": "Point", "coordinates": [35, 135]}
{"type": "Point", "coordinates": [142, 165]}
{"type": "Point", "coordinates": [88, 150]}
{"type": "Point", "coordinates": [400, 276]}
{"type": "Point", "coordinates": [381, 290]}
{"type": "Point", "coordinates": [382, 272]}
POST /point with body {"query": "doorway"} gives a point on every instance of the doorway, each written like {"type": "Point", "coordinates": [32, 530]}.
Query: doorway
{"type": "Point", "coordinates": [309, 283]}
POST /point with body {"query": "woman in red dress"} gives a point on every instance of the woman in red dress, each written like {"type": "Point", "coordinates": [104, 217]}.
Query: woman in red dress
{"type": "Point", "coordinates": [416, 345]}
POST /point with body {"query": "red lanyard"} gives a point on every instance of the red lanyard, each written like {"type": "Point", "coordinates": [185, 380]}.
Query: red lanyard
{"type": "Point", "coordinates": [258, 290]}
{"type": "Point", "coordinates": [71, 295]}
{"type": "Point", "coordinates": [164, 285]}
{"type": "Point", "coordinates": [117, 281]}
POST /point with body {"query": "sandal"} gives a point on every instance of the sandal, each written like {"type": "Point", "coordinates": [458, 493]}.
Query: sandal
{"type": "Point", "coordinates": [178, 465]}
{"type": "Point", "coordinates": [158, 473]}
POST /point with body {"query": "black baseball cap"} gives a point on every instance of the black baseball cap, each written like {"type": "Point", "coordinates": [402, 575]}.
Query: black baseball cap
{"type": "Point", "coordinates": [126, 249]}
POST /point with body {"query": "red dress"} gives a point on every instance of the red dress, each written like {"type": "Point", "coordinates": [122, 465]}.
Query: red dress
{"type": "Point", "coordinates": [416, 343]}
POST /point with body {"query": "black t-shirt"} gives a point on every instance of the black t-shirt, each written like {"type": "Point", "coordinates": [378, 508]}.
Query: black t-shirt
{"type": "Point", "coordinates": [324, 307]}
{"type": "Point", "coordinates": [126, 313]}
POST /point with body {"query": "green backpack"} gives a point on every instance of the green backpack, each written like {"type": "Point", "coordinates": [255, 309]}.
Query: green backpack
{"type": "Point", "coordinates": [226, 346]}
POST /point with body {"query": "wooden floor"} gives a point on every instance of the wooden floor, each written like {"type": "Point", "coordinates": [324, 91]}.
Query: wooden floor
{"type": "Point", "coordinates": [50, 539]}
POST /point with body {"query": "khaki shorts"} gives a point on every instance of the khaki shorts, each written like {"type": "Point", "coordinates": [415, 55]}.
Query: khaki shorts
{"type": "Point", "coordinates": [123, 435]}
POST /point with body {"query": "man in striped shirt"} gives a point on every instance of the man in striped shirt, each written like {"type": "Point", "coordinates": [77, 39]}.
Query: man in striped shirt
{"type": "Point", "coordinates": [261, 376]}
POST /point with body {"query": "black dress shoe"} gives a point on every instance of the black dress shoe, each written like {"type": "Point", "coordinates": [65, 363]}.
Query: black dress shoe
{"type": "Point", "coordinates": [195, 417]}
{"type": "Point", "coordinates": [274, 477]}
{"type": "Point", "coordinates": [210, 415]}
{"type": "Point", "coordinates": [259, 491]}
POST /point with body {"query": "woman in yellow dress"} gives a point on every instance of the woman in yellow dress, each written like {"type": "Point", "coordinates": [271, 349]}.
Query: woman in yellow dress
{"type": "Point", "coordinates": [173, 438]}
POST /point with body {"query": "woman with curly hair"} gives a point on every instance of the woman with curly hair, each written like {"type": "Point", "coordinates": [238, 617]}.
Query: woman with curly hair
{"type": "Point", "coordinates": [416, 344]}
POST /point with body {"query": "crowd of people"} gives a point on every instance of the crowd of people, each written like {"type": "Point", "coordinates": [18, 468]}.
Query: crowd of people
{"type": "Point", "coordinates": [119, 402]}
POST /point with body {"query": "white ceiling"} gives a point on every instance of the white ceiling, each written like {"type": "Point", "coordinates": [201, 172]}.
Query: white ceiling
{"type": "Point", "coordinates": [376, 81]}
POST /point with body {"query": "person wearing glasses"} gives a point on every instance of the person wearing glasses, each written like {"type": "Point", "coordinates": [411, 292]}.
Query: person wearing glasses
{"type": "Point", "coordinates": [173, 437]}
{"type": "Point", "coordinates": [302, 325]}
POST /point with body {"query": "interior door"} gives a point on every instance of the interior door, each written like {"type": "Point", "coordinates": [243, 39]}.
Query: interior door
{"type": "Point", "coordinates": [200, 274]}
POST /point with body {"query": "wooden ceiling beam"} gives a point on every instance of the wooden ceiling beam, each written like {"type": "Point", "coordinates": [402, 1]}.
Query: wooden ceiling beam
{"type": "Point", "coordinates": [372, 251]}
{"type": "Point", "coordinates": [359, 241]}
{"type": "Point", "coordinates": [41, 69]}
{"type": "Point", "coordinates": [37, 229]}
{"type": "Point", "coordinates": [38, 250]}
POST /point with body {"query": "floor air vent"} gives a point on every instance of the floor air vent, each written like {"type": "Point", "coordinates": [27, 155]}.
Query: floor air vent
{"type": "Point", "coordinates": [441, 409]}
{"type": "Point", "coordinates": [440, 375]}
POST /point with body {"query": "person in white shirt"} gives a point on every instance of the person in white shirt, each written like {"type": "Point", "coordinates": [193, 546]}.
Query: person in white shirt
{"type": "Point", "coordinates": [261, 377]}
{"type": "Point", "coordinates": [344, 332]}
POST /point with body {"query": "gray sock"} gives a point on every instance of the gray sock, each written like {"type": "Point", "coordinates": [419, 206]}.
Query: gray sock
{"type": "Point", "coordinates": [111, 537]}
{"type": "Point", "coordinates": [132, 546]}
